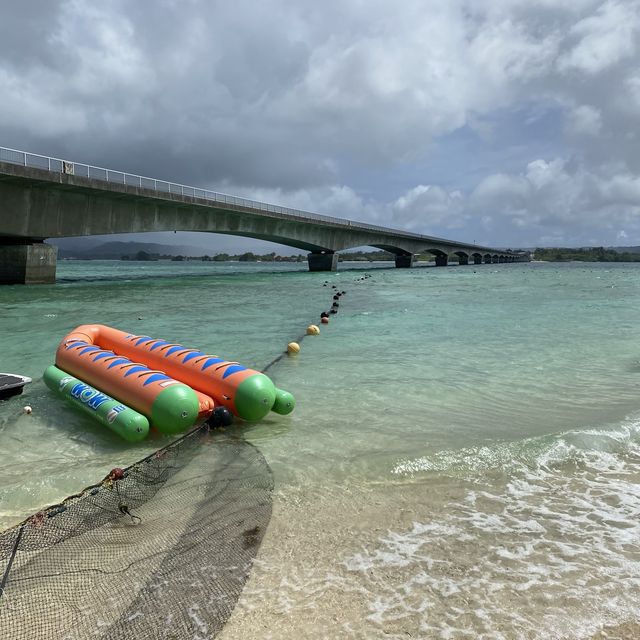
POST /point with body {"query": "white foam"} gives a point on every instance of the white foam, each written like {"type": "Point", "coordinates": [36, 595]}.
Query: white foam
{"type": "Point", "coordinates": [547, 548]}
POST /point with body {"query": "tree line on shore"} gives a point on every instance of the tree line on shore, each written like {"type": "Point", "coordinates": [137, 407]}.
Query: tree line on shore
{"type": "Point", "coordinates": [586, 254]}
{"type": "Point", "coordinates": [556, 254]}
{"type": "Point", "coordinates": [358, 256]}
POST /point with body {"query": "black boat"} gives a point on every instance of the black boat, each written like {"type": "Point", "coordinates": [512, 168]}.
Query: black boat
{"type": "Point", "coordinates": [11, 384]}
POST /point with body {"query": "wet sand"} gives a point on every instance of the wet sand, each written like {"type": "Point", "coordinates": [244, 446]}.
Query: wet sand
{"type": "Point", "coordinates": [322, 572]}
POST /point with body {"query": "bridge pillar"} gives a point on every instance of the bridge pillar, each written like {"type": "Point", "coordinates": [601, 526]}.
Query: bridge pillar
{"type": "Point", "coordinates": [323, 261]}
{"type": "Point", "coordinates": [442, 261]}
{"type": "Point", "coordinates": [463, 260]}
{"type": "Point", "coordinates": [404, 261]}
{"type": "Point", "coordinates": [495, 260]}
{"type": "Point", "coordinates": [477, 259]}
{"type": "Point", "coordinates": [28, 263]}
{"type": "Point", "coordinates": [502, 259]}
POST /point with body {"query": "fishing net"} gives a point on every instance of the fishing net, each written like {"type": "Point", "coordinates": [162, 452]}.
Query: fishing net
{"type": "Point", "coordinates": [111, 562]}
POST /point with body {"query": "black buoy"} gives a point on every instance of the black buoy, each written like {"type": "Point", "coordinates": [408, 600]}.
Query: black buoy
{"type": "Point", "coordinates": [221, 417]}
{"type": "Point", "coordinates": [324, 314]}
{"type": "Point", "coordinates": [336, 297]}
{"type": "Point", "coordinates": [335, 304]}
{"type": "Point", "coordinates": [333, 311]}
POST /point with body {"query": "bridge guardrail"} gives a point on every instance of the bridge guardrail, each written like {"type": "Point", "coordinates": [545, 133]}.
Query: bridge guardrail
{"type": "Point", "coordinates": [57, 165]}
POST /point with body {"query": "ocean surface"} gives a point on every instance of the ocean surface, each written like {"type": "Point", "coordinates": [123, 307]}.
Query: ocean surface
{"type": "Point", "coordinates": [463, 461]}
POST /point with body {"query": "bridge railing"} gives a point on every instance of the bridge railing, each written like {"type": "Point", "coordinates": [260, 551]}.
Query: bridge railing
{"type": "Point", "coordinates": [57, 165]}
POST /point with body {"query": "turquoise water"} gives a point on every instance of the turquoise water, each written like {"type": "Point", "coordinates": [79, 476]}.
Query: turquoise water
{"type": "Point", "coordinates": [463, 461]}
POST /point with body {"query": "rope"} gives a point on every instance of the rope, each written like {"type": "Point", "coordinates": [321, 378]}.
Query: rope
{"type": "Point", "coordinates": [334, 310]}
{"type": "Point", "coordinates": [5, 577]}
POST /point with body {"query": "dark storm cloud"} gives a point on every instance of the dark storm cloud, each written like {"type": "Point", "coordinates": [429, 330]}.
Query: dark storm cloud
{"type": "Point", "coordinates": [347, 108]}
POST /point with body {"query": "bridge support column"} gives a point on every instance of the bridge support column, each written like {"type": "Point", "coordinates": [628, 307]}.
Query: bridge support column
{"type": "Point", "coordinates": [28, 263]}
{"type": "Point", "coordinates": [477, 259]}
{"type": "Point", "coordinates": [404, 261]}
{"type": "Point", "coordinates": [322, 261]}
{"type": "Point", "coordinates": [495, 260]}
{"type": "Point", "coordinates": [442, 261]}
{"type": "Point", "coordinates": [463, 260]}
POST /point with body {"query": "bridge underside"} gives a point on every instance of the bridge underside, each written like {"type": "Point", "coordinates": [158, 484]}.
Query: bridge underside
{"type": "Point", "coordinates": [35, 206]}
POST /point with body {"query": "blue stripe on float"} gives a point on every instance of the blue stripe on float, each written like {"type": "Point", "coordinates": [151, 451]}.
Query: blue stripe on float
{"type": "Point", "coordinates": [233, 369]}
{"type": "Point", "coordinates": [209, 361]}
{"type": "Point", "coordinates": [104, 354]}
{"type": "Point", "coordinates": [118, 361]}
{"type": "Point", "coordinates": [160, 343]}
{"type": "Point", "coordinates": [135, 369]}
{"type": "Point", "coordinates": [178, 347]}
{"type": "Point", "coordinates": [192, 355]}
{"type": "Point", "coordinates": [143, 339]}
{"type": "Point", "coordinates": [89, 349]}
{"type": "Point", "coordinates": [154, 378]}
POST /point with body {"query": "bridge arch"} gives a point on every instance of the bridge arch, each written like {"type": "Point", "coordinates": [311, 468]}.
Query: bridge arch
{"type": "Point", "coordinates": [463, 257]}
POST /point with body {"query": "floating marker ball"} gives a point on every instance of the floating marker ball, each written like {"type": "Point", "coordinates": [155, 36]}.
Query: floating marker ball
{"type": "Point", "coordinates": [324, 320]}
{"type": "Point", "coordinates": [293, 348]}
{"type": "Point", "coordinates": [335, 304]}
{"type": "Point", "coordinates": [221, 417]}
{"type": "Point", "coordinates": [313, 330]}
{"type": "Point", "coordinates": [28, 410]}
{"type": "Point", "coordinates": [324, 314]}
{"type": "Point", "coordinates": [336, 297]}
{"type": "Point", "coordinates": [333, 311]}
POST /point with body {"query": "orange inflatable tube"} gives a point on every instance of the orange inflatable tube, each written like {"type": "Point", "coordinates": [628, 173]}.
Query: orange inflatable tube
{"type": "Point", "coordinates": [247, 393]}
{"type": "Point", "coordinates": [170, 405]}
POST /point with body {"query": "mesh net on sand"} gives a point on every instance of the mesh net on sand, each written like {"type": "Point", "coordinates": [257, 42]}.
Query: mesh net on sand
{"type": "Point", "coordinates": [111, 562]}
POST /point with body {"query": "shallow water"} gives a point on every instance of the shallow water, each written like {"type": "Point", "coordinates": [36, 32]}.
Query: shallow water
{"type": "Point", "coordinates": [463, 460]}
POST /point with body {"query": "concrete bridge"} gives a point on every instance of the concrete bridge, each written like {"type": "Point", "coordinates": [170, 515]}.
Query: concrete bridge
{"type": "Point", "coordinates": [42, 197]}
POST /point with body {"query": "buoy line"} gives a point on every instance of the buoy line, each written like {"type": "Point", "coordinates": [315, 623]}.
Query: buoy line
{"type": "Point", "coordinates": [222, 416]}
{"type": "Point", "coordinates": [293, 347]}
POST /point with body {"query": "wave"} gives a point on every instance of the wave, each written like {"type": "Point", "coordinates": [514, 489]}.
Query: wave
{"type": "Point", "coordinates": [546, 548]}
{"type": "Point", "coordinates": [604, 448]}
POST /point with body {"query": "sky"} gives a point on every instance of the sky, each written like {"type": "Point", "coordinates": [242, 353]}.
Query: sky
{"type": "Point", "coordinates": [510, 123]}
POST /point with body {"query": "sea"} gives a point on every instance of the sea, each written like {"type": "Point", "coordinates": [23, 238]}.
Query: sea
{"type": "Point", "coordinates": [463, 460]}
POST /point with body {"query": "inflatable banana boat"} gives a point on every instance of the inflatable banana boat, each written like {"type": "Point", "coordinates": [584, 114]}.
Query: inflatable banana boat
{"type": "Point", "coordinates": [170, 385]}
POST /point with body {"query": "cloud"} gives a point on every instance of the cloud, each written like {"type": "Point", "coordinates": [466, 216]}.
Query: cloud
{"type": "Point", "coordinates": [516, 118]}
{"type": "Point", "coordinates": [603, 39]}
{"type": "Point", "coordinates": [584, 120]}
{"type": "Point", "coordinates": [426, 206]}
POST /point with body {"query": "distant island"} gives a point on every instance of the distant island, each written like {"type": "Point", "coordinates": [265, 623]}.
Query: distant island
{"type": "Point", "coordinates": [248, 256]}
{"type": "Point", "coordinates": [147, 251]}
{"type": "Point", "coordinates": [589, 254]}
